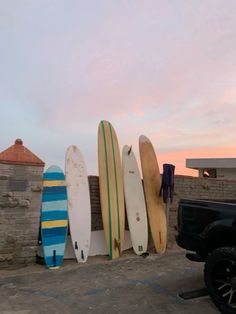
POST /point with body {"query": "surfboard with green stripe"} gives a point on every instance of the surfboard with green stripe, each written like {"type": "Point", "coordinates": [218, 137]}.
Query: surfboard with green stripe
{"type": "Point", "coordinates": [111, 188]}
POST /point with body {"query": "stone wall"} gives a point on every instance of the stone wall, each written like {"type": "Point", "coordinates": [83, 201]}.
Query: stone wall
{"type": "Point", "coordinates": [20, 201]}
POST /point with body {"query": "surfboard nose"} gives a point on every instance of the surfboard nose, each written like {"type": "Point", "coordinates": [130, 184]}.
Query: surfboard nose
{"type": "Point", "coordinates": [143, 139]}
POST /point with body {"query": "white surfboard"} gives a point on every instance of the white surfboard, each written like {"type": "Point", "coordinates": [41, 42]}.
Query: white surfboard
{"type": "Point", "coordinates": [79, 207]}
{"type": "Point", "coordinates": [135, 201]}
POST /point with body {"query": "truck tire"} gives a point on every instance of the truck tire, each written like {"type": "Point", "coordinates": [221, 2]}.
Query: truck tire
{"type": "Point", "coordinates": [220, 278]}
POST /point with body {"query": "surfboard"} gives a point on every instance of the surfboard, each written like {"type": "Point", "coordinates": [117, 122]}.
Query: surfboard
{"type": "Point", "coordinates": [111, 188]}
{"type": "Point", "coordinates": [54, 217]}
{"type": "Point", "coordinates": [79, 207]}
{"type": "Point", "coordinates": [97, 245]}
{"type": "Point", "coordinates": [152, 185]}
{"type": "Point", "coordinates": [135, 201]}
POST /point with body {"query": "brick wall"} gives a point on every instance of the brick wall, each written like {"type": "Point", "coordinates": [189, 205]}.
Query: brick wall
{"type": "Point", "coordinates": [95, 203]}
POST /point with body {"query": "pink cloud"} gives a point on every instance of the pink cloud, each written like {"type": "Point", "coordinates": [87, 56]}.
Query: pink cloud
{"type": "Point", "coordinates": [166, 70]}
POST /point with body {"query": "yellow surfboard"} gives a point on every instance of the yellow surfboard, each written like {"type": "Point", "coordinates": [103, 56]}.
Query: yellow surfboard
{"type": "Point", "coordinates": [111, 188]}
{"type": "Point", "coordinates": [152, 185]}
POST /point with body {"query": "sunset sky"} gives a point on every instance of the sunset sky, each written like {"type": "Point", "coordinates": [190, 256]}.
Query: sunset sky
{"type": "Point", "coordinates": [165, 69]}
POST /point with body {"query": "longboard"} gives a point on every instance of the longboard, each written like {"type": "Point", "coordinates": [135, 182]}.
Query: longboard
{"type": "Point", "coordinates": [79, 207]}
{"type": "Point", "coordinates": [152, 185]}
{"type": "Point", "coordinates": [135, 201]}
{"type": "Point", "coordinates": [111, 188]}
{"type": "Point", "coordinates": [54, 218]}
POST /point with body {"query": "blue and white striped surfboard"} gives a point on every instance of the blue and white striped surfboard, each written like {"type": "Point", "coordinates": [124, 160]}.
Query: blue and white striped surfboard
{"type": "Point", "coordinates": [54, 216]}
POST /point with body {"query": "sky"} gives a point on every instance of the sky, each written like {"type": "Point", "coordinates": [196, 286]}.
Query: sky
{"type": "Point", "coordinates": [162, 68]}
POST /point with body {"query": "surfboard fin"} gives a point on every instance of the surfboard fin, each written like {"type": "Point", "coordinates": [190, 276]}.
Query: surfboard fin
{"type": "Point", "coordinates": [54, 257]}
{"type": "Point", "coordinates": [117, 245]}
{"type": "Point", "coordinates": [82, 254]}
{"type": "Point", "coordinates": [130, 149]}
{"type": "Point", "coordinates": [76, 245]}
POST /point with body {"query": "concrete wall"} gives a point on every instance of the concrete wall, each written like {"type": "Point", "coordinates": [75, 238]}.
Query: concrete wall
{"type": "Point", "coordinates": [20, 201]}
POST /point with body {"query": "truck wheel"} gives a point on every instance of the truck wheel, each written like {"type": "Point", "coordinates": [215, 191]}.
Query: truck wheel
{"type": "Point", "coordinates": [220, 278]}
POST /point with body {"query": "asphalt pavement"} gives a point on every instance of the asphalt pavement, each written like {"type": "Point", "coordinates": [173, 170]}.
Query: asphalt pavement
{"type": "Point", "coordinates": [131, 284]}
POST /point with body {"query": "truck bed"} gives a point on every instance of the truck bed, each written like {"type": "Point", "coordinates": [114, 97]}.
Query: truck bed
{"type": "Point", "coordinates": [196, 218]}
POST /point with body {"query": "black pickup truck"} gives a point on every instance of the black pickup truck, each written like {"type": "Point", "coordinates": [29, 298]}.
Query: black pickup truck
{"type": "Point", "coordinates": [208, 230]}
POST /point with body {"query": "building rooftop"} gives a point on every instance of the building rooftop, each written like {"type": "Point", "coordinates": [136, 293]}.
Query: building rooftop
{"type": "Point", "coordinates": [202, 163]}
{"type": "Point", "coordinates": [19, 154]}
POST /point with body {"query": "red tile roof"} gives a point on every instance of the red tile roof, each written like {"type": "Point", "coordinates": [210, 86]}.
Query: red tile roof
{"type": "Point", "coordinates": [20, 155]}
